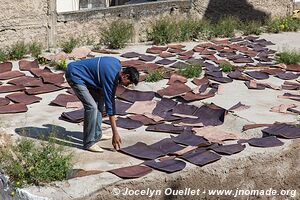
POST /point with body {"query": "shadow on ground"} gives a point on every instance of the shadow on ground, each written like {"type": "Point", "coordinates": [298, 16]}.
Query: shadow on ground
{"type": "Point", "coordinates": [58, 133]}
{"type": "Point", "coordinates": [217, 9]}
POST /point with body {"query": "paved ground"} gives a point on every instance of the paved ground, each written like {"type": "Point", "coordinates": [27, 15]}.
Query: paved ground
{"type": "Point", "coordinates": [252, 168]}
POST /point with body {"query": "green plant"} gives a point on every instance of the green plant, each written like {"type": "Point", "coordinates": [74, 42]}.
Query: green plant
{"type": "Point", "coordinates": [226, 67]}
{"type": "Point", "coordinates": [116, 34]}
{"type": "Point", "coordinates": [288, 57]}
{"type": "Point", "coordinates": [70, 44]}
{"type": "Point", "coordinates": [35, 49]}
{"type": "Point", "coordinates": [18, 50]}
{"type": "Point", "coordinates": [59, 65]}
{"type": "Point", "coordinates": [226, 26]}
{"type": "Point", "coordinates": [204, 29]}
{"type": "Point", "coordinates": [277, 25]}
{"type": "Point", "coordinates": [3, 55]}
{"type": "Point", "coordinates": [163, 31]}
{"type": "Point", "coordinates": [154, 76]}
{"type": "Point", "coordinates": [251, 27]}
{"type": "Point", "coordinates": [27, 163]}
{"type": "Point", "coordinates": [191, 71]}
{"type": "Point", "coordinates": [188, 29]}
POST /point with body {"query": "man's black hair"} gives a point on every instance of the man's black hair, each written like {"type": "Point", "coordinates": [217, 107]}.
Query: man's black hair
{"type": "Point", "coordinates": [133, 74]}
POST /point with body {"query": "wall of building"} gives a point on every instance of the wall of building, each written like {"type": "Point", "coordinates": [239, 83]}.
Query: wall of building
{"type": "Point", "coordinates": [37, 20]}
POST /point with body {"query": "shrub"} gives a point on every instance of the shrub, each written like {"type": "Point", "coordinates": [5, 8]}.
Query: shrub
{"type": "Point", "coordinates": [163, 31]}
{"type": "Point", "coordinates": [277, 25]}
{"type": "Point", "coordinates": [251, 27]}
{"type": "Point", "coordinates": [204, 29]}
{"type": "Point", "coordinates": [35, 49]}
{"type": "Point", "coordinates": [26, 163]}
{"type": "Point", "coordinates": [226, 26]}
{"type": "Point", "coordinates": [191, 71]}
{"type": "Point", "coordinates": [226, 67]}
{"type": "Point", "coordinates": [116, 34]}
{"type": "Point", "coordinates": [188, 29]}
{"type": "Point", "coordinates": [70, 44]}
{"type": "Point", "coordinates": [288, 57]}
{"type": "Point", "coordinates": [3, 55]}
{"type": "Point", "coordinates": [59, 65]}
{"type": "Point", "coordinates": [154, 76]}
{"type": "Point", "coordinates": [17, 51]}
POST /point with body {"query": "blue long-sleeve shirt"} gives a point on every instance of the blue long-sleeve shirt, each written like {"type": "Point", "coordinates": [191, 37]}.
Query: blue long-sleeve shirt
{"type": "Point", "coordinates": [101, 73]}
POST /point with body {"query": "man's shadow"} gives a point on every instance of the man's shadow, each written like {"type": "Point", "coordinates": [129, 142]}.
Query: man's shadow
{"type": "Point", "coordinates": [217, 9]}
{"type": "Point", "coordinates": [57, 133]}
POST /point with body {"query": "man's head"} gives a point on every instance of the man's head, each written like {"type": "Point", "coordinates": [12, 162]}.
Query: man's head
{"type": "Point", "coordinates": [129, 75]}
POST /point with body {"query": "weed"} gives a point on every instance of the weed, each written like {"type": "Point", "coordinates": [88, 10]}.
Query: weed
{"type": "Point", "coordinates": [163, 31]}
{"type": "Point", "coordinates": [251, 27]}
{"type": "Point", "coordinates": [116, 34]}
{"type": "Point", "coordinates": [154, 76]}
{"type": "Point", "coordinates": [226, 26]}
{"type": "Point", "coordinates": [59, 65]}
{"type": "Point", "coordinates": [70, 44]}
{"type": "Point", "coordinates": [191, 71]}
{"type": "Point", "coordinates": [226, 67]}
{"type": "Point", "coordinates": [204, 29]}
{"type": "Point", "coordinates": [3, 55]}
{"type": "Point", "coordinates": [18, 51]}
{"type": "Point", "coordinates": [288, 57]}
{"type": "Point", "coordinates": [277, 25]}
{"type": "Point", "coordinates": [27, 163]}
{"type": "Point", "coordinates": [35, 49]}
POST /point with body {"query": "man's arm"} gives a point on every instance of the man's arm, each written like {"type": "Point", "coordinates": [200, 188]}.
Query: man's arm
{"type": "Point", "coordinates": [116, 139]}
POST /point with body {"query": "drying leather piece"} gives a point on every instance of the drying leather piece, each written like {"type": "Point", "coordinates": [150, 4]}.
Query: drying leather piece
{"type": "Point", "coordinates": [135, 95]}
{"type": "Point", "coordinates": [38, 72]}
{"type": "Point", "coordinates": [75, 116]}
{"type": "Point", "coordinates": [272, 71]}
{"type": "Point", "coordinates": [75, 104]}
{"type": "Point", "coordinates": [293, 67]}
{"type": "Point", "coordinates": [201, 157]}
{"type": "Point", "coordinates": [13, 108]}
{"type": "Point", "coordinates": [207, 52]}
{"type": "Point", "coordinates": [147, 67]}
{"type": "Point", "coordinates": [126, 123]}
{"type": "Point", "coordinates": [195, 61]}
{"type": "Point", "coordinates": [105, 51]}
{"type": "Point", "coordinates": [156, 50]}
{"type": "Point", "coordinates": [142, 150]}
{"type": "Point", "coordinates": [80, 53]}
{"type": "Point", "coordinates": [11, 88]}
{"type": "Point", "coordinates": [121, 107]}
{"type": "Point", "coordinates": [166, 54]}
{"type": "Point", "coordinates": [187, 53]}
{"type": "Point", "coordinates": [63, 99]}
{"type": "Point", "coordinates": [201, 81]}
{"type": "Point", "coordinates": [10, 75]}
{"type": "Point", "coordinates": [190, 96]}
{"type": "Point", "coordinates": [214, 134]}
{"type": "Point", "coordinates": [132, 63]}
{"type": "Point", "coordinates": [75, 173]}
{"type": "Point", "coordinates": [184, 109]}
{"type": "Point", "coordinates": [287, 76]}
{"type": "Point", "coordinates": [243, 60]}
{"type": "Point", "coordinates": [253, 85]}
{"type": "Point", "coordinates": [169, 128]}
{"type": "Point", "coordinates": [49, 77]}
{"type": "Point", "coordinates": [4, 101]}
{"type": "Point", "coordinates": [271, 86]}
{"type": "Point", "coordinates": [257, 75]}
{"type": "Point", "coordinates": [237, 39]}
{"type": "Point", "coordinates": [166, 146]}
{"type": "Point", "coordinates": [21, 97]}
{"type": "Point", "coordinates": [238, 107]}
{"type": "Point", "coordinates": [46, 88]}
{"type": "Point", "coordinates": [26, 81]}
{"type": "Point", "coordinates": [283, 130]}
{"type": "Point", "coordinates": [130, 55]}
{"type": "Point", "coordinates": [147, 58]}
{"type": "Point", "coordinates": [26, 65]}
{"type": "Point", "coordinates": [229, 149]}
{"type": "Point", "coordinates": [190, 139]}
{"type": "Point", "coordinates": [5, 67]}
{"type": "Point", "coordinates": [179, 65]}
{"type": "Point", "coordinates": [265, 142]}
{"type": "Point", "coordinates": [210, 115]}
{"type": "Point", "coordinates": [131, 172]}
{"type": "Point", "coordinates": [176, 89]}
{"type": "Point", "coordinates": [294, 111]}
{"type": "Point", "coordinates": [59, 56]}
{"type": "Point", "coordinates": [169, 166]}
{"type": "Point", "coordinates": [253, 126]}
{"type": "Point", "coordinates": [282, 108]}
{"type": "Point", "coordinates": [291, 96]}
{"type": "Point", "coordinates": [164, 108]}
{"type": "Point", "coordinates": [142, 118]}
{"type": "Point", "coordinates": [220, 79]}
{"type": "Point", "coordinates": [175, 46]}
{"type": "Point", "coordinates": [141, 107]}
{"type": "Point", "coordinates": [184, 57]}
{"type": "Point", "coordinates": [165, 61]}
{"type": "Point", "coordinates": [176, 51]}
{"type": "Point", "coordinates": [176, 77]}
{"type": "Point", "coordinates": [184, 151]}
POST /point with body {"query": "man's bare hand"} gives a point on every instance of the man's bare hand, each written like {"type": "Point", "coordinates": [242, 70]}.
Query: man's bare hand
{"type": "Point", "coordinates": [116, 141]}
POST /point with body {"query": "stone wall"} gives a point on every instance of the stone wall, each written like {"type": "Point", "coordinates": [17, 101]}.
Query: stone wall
{"type": "Point", "coordinates": [23, 20]}
{"type": "Point", "coordinates": [36, 20]}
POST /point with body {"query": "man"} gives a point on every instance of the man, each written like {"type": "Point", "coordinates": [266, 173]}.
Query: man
{"type": "Point", "coordinates": [94, 82]}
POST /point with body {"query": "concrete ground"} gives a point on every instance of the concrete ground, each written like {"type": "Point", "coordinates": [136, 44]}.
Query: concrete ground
{"type": "Point", "coordinates": [254, 168]}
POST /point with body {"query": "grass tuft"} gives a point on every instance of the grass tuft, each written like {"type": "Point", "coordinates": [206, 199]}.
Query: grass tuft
{"type": "Point", "coordinates": [59, 65]}
{"type": "Point", "coordinates": [18, 50]}
{"type": "Point", "coordinates": [154, 76]}
{"type": "Point", "coordinates": [288, 57]}
{"type": "Point", "coordinates": [227, 67]}
{"type": "Point", "coordinates": [191, 71]}
{"type": "Point", "coordinates": [35, 49]}
{"type": "Point", "coordinates": [70, 44]}
{"type": "Point", "coordinates": [116, 34]}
